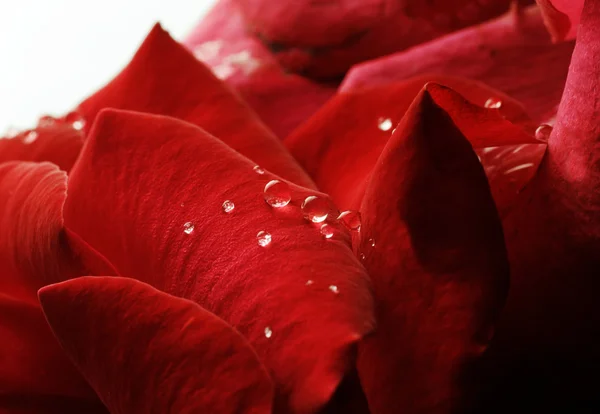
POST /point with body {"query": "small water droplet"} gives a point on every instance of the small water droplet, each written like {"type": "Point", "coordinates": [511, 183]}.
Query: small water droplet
{"type": "Point", "coordinates": [362, 256]}
{"type": "Point", "coordinates": [371, 242]}
{"type": "Point", "coordinates": [493, 103]}
{"type": "Point", "coordinates": [264, 238]}
{"type": "Point", "coordinates": [327, 231]}
{"type": "Point", "coordinates": [315, 209]}
{"type": "Point", "coordinates": [542, 133]}
{"type": "Point", "coordinates": [30, 137]}
{"type": "Point", "coordinates": [350, 219]}
{"type": "Point", "coordinates": [188, 227]}
{"type": "Point", "coordinates": [76, 120]}
{"type": "Point", "coordinates": [309, 282]}
{"type": "Point", "coordinates": [334, 289]}
{"type": "Point", "coordinates": [277, 193]}
{"type": "Point", "coordinates": [46, 120]}
{"type": "Point", "coordinates": [268, 332]}
{"type": "Point", "coordinates": [385, 124]}
{"type": "Point", "coordinates": [182, 204]}
{"type": "Point", "coordinates": [258, 170]}
{"type": "Point", "coordinates": [228, 206]}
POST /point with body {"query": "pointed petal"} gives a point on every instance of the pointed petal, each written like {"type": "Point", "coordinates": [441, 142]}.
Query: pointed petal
{"type": "Point", "coordinates": [561, 17]}
{"type": "Point", "coordinates": [439, 265]}
{"type": "Point", "coordinates": [146, 351]}
{"type": "Point", "coordinates": [157, 186]}
{"type": "Point", "coordinates": [164, 78]}
{"type": "Point", "coordinates": [486, 53]}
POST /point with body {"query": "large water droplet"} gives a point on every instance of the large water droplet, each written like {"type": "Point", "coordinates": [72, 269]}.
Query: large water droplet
{"type": "Point", "coordinates": [315, 209]}
{"type": "Point", "coordinates": [257, 169]}
{"type": "Point", "coordinates": [188, 227]}
{"type": "Point", "coordinates": [264, 238]}
{"type": "Point", "coordinates": [384, 124]}
{"type": "Point", "coordinates": [228, 206]}
{"type": "Point", "coordinates": [542, 133]}
{"type": "Point", "coordinates": [493, 103]}
{"type": "Point", "coordinates": [30, 137]}
{"type": "Point", "coordinates": [350, 219]}
{"type": "Point", "coordinates": [334, 289]}
{"type": "Point", "coordinates": [268, 332]}
{"type": "Point", "coordinates": [277, 193]}
{"type": "Point", "coordinates": [327, 231]}
{"type": "Point", "coordinates": [76, 120]}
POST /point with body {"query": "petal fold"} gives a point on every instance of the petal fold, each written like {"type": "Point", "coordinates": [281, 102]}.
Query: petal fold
{"type": "Point", "coordinates": [561, 17]}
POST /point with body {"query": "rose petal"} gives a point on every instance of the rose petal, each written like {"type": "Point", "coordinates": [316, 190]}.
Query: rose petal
{"type": "Point", "coordinates": [439, 265]}
{"type": "Point", "coordinates": [340, 145]}
{"type": "Point", "coordinates": [146, 351]}
{"type": "Point", "coordinates": [58, 143]}
{"type": "Point", "coordinates": [561, 17]}
{"type": "Point", "coordinates": [164, 78]}
{"type": "Point", "coordinates": [281, 99]}
{"type": "Point", "coordinates": [487, 53]}
{"type": "Point", "coordinates": [152, 189]}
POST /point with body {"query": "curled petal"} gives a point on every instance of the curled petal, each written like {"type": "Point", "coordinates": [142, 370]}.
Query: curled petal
{"type": "Point", "coordinates": [561, 17]}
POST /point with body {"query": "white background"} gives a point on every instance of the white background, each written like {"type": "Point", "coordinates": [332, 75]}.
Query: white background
{"type": "Point", "coordinates": [54, 53]}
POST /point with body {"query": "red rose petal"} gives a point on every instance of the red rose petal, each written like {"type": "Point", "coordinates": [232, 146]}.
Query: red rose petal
{"type": "Point", "coordinates": [561, 17]}
{"type": "Point", "coordinates": [340, 145]}
{"type": "Point", "coordinates": [439, 265]}
{"type": "Point", "coordinates": [512, 54]}
{"type": "Point", "coordinates": [164, 78]}
{"type": "Point", "coordinates": [146, 351]}
{"type": "Point", "coordinates": [58, 143]}
{"type": "Point", "coordinates": [281, 99]}
{"type": "Point", "coordinates": [152, 189]}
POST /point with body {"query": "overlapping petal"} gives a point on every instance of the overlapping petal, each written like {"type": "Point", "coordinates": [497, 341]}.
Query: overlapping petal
{"type": "Point", "coordinates": [434, 248]}
{"type": "Point", "coordinates": [148, 193]}
{"type": "Point", "coordinates": [146, 351]}
{"type": "Point", "coordinates": [561, 17]}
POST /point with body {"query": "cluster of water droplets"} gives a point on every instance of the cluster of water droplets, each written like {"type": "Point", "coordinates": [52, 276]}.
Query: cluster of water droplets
{"type": "Point", "coordinates": [28, 137]}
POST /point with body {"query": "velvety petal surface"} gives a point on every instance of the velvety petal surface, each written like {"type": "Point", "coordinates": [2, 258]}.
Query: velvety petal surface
{"type": "Point", "coordinates": [281, 99]}
{"type": "Point", "coordinates": [341, 144]}
{"type": "Point", "coordinates": [58, 143]}
{"type": "Point", "coordinates": [164, 78]}
{"type": "Point", "coordinates": [146, 351]}
{"type": "Point", "coordinates": [512, 54]}
{"type": "Point", "coordinates": [561, 17]}
{"type": "Point", "coordinates": [433, 245]}
{"type": "Point", "coordinates": [153, 188]}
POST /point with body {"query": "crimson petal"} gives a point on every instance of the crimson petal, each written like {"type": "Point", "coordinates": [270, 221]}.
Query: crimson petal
{"type": "Point", "coordinates": [146, 351]}
{"type": "Point", "coordinates": [152, 190]}
{"type": "Point", "coordinates": [164, 78]}
{"type": "Point", "coordinates": [561, 17]}
{"type": "Point", "coordinates": [438, 265]}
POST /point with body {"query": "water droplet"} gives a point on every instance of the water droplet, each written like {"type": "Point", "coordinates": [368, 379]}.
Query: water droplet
{"type": "Point", "coordinates": [334, 289]}
{"type": "Point", "coordinates": [519, 167]}
{"type": "Point", "coordinates": [182, 204]}
{"type": "Point", "coordinates": [258, 170]}
{"type": "Point", "coordinates": [76, 120]}
{"type": "Point", "coordinates": [315, 209]}
{"type": "Point", "coordinates": [385, 124]}
{"type": "Point", "coordinates": [277, 193]}
{"type": "Point", "coordinates": [268, 332]}
{"type": "Point", "coordinates": [46, 120]}
{"type": "Point", "coordinates": [264, 238]}
{"type": "Point", "coordinates": [542, 133]}
{"type": "Point", "coordinates": [188, 227]}
{"type": "Point", "coordinates": [350, 219]}
{"type": "Point", "coordinates": [362, 256]}
{"type": "Point", "coordinates": [30, 137]}
{"type": "Point", "coordinates": [327, 231]}
{"type": "Point", "coordinates": [309, 282]}
{"type": "Point", "coordinates": [493, 103]}
{"type": "Point", "coordinates": [228, 206]}
{"type": "Point", "coordinates": [371, 242]}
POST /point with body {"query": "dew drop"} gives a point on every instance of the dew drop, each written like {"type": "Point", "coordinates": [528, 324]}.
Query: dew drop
{"type": "Point", "coordinates": [493, 103]}
{"type": "Point", "coordinates": [315, 209]}
{"type": "Point", "coordinates": [268, 332]}
{"type": "Point", "coordinates": [309, 282]}
{"type": "Point", "coordinates": [188, 227]}
{"type": "Point", "coordinates": [362, 256]}
{"type": "Point", "coordinates": [46, 120]}
{"type": "Point", "coordinates": [76, 120]}
{"type": "Point", "coordinates": [228, 206]}
{"type": "Point", "coordinates": [30, 137]}
{"type": "Point", "coordinates": [327, 231]}
{"type": "Point", "coordinates": [542, 133]}
{"type": "Point", "coordinates": [277, 193]}
{"type": "Point", "coordinates": [384, 124]}
{"type": "Point", "coordinates": [258, 170]}
{"type": "Point", "coordinates": [371, 242]}
{"type": "Point", "coordinates": [264, 238]}
{"type": "Point", "coordinates": [350, 219]}
{"type": "Point", "coordinates": [334, 289]}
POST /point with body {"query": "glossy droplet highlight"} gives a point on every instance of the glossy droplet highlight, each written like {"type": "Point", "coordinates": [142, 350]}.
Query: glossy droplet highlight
{"type": "Point", "coordinates": [493, 103]}
{"type": "Point", "coordinates": [309, 282]}
{"type": "Point", "coordinates": [188, 228]}
{"type": "Point", "coordinates": [268, 332]}
{"type": "Point", "coordinates": [30, 137]}
{"type": "Point", "coordinates": [76, 120]}
{"type": "Point", "coordinates": [334, 289]}
{"type": "Point", "coordinates": [264, 238]}
{"type": "Point", "coordinates": [228, 206]}
{"type": "Point", "coordinates": [384, 124]}
{"type": "Point", "coordinates": [46, 120]}
{"type": "Point", "coordinates": [258, 170]}
{"type": "Point", "coordinates": [315, 209]}
{"type": "Point", "coordinates": [277, 193]}
{"type": "Point", "coordinates": [327, 231]}
{"type": "Point", "coordinates": [350, 219]}
{"type": "Point", "coordinates": [542, 133]}
{"type": "Point", "coordinates": [371, 242]}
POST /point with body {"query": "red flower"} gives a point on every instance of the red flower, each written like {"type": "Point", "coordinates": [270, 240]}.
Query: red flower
{"type": "Point", "coordinates": [155, 277]}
